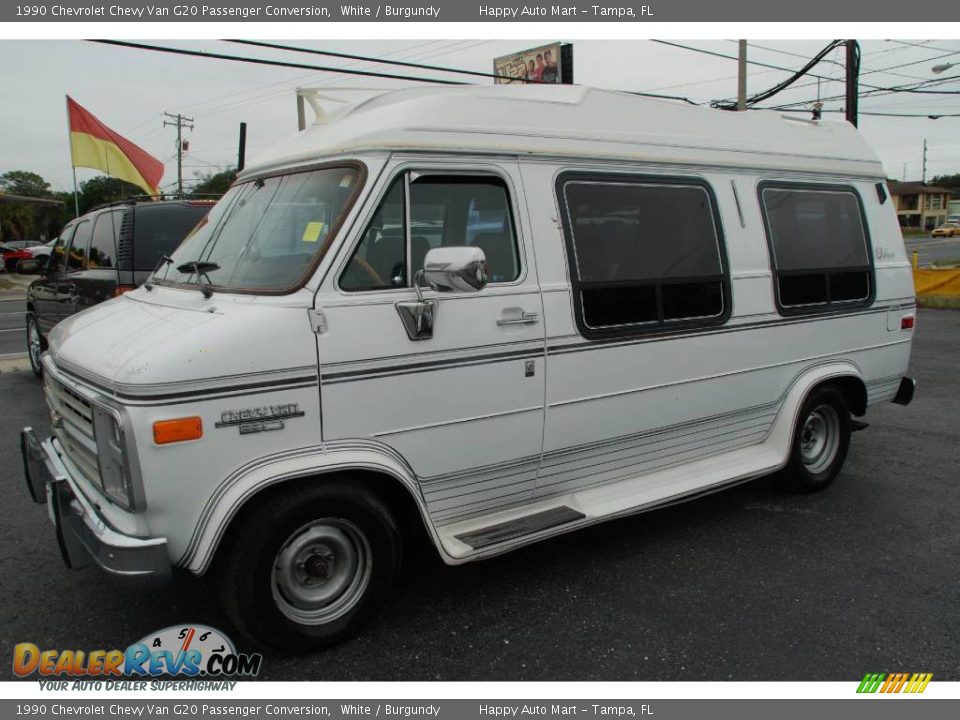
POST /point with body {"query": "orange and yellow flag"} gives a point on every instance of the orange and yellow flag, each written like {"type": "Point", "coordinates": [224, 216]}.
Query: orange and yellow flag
{"type": "Point", "coordinates": [94, 145]}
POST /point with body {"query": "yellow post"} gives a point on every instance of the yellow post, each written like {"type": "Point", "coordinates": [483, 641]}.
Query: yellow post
{"type": "Point", "coordinates": [916, 259]}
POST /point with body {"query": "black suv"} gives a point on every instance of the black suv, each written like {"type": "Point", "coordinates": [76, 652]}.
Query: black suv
{"type": "Point", "coordinates": [105, 253]}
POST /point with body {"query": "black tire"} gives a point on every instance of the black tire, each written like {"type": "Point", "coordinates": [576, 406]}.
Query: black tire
{"type": "Point", "coordinates": [821, 441]}
{"type": "Point", "coordinates": [34, 352]}
{"type": "Point", "coordinates": [11, 265]}
{"type": "Point", "coordinates": [276, 532]}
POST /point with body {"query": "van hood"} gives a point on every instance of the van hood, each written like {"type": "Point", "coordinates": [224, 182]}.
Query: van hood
{"type": "Point", "coordinates": [163, 341]}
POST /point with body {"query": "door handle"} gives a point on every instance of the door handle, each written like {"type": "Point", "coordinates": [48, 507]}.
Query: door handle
{"type": "Point", "coordinates": [524, 318]}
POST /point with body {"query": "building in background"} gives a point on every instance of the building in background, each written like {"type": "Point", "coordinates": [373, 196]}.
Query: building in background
{"type": "Point", "coordinates": [920, 206]}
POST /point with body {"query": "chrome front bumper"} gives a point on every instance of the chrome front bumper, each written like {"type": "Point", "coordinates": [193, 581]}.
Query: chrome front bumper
{"type": "Point", "coordinates": [82, 534]}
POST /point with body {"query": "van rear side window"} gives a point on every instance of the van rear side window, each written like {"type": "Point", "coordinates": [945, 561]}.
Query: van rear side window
{"type": "Point", "coordinates": [646, 255]}
{"type": "Point", "coordinates": [818, 247]}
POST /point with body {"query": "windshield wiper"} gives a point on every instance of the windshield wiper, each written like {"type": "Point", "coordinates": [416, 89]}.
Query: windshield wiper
{"type": "Point", "coordinates": [164, 260]}
{"type": "Point", "coordinates": [200, 268]}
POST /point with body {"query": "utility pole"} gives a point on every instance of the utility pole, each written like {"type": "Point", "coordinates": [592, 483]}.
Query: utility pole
{"type": "Point", "coordinates": [853, 73]}
{"type": "Point", "coordinates": [923, 178]}
{"type": "Point", "coordinates": [179, 122]}
{"type": "Point", "coordinates": [242, 149]}
{"type": "Point", "coordinates": [742, 77]}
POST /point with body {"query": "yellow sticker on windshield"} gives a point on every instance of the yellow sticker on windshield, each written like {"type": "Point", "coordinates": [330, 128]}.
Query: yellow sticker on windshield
{"type": "Point", "coordinates": [312, 232]}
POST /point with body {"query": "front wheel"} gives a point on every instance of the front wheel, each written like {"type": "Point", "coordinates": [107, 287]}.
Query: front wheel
{"type": "Point", "coordinates": [310, 566]}
{"type": "Point", "coordinates": [820, 442]}
{"type": "Point", "coordinates": [34, 346]}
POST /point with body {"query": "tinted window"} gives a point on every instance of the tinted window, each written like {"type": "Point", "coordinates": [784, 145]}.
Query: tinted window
{"type": "Point", "coordinates": [643, 253]}
{"type": "Point", "coordinates": [158, 230]}
{"type": "Point", "coordinates": [818, 245]}
{"type": "Point", "coordinates": [103, 244]}
{"type": "Point", "coordinates": [77, 254]}
{"type": "Point", "coordinates": [445, 211]}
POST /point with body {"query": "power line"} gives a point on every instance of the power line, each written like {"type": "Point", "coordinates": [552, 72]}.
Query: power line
{"type": "Point", "coordinates": [275, 63]}
{"type": "Point", "coordinates": [364, 58]}
{"type": "Point", "coordinates": [766, 94]}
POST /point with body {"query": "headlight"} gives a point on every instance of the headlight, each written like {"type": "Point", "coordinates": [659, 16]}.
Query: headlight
{"type": "Point", "coordinates": [111, 458]}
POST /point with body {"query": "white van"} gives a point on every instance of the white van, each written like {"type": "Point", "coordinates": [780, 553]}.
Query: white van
{"type": "Point", "coordinates": [493, 313]}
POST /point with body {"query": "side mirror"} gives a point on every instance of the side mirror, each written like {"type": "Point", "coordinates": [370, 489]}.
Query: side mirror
{"type": "Point", "coordinates": [446, 269]}
{"type": "Point", "coordinates": [31, 267]}
{"type": "Point", "coordinates": [455, 269]}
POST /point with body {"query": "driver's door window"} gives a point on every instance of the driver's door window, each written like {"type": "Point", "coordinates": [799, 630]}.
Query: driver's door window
{"type": "Point", "coordinates": [445, 211]}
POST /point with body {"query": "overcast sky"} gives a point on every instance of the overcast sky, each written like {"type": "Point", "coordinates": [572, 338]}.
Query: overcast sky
{"type": "Point", "coordinates": [129, 90]}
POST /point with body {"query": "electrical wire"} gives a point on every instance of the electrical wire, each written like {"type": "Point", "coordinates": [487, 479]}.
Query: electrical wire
{"type": "Point", "coordinates": [275, 63]}
{"type": "Point", "coordinates": [364, 58]}
{"type": "Point", "coordinates": [780, 87]}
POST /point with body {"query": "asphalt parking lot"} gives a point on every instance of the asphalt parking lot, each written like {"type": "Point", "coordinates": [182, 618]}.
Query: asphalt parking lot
{"type": "Point", "coordinates": [12, 328]}
{"type": "Point", "coordinates": [749, 584]}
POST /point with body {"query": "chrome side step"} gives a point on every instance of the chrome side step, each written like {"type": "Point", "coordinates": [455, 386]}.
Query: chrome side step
{"type": "Point", "coordinates": [526, 525]}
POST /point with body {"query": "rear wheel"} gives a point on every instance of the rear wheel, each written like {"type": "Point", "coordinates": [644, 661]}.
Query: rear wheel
{"type": "Point", "coordinates": [820, 442]}
{"type": "Point", "coordinates": [310, 566]}
{"type": "Point", "coordinates": [35, 346]}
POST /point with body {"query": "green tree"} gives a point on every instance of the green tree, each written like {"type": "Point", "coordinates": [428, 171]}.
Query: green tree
{"type": "Point", "coordinates": [24, 182]}
{"type": "Point", "coordinates": [948, 181]}
{"type": "Point", "coordinates": [213, 183]}
{"type": "Point", "coordinates": [102, 189]}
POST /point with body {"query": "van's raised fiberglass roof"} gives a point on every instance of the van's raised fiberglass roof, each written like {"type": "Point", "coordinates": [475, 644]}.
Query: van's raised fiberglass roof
{"type": "Point", "coordinates": [568, 121]}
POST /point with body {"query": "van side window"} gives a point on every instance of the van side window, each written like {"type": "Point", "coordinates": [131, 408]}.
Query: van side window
{"type": "Point", "coordinates": [646, 255]}
{"type": "Point", "coordinates": [445, 211]}
{"type": "Point", "coordinates": [103, 244]}
{"type": "Point", "coordinates": [818, 246]}
{"type": "Point", "coordinates": [77, 253]}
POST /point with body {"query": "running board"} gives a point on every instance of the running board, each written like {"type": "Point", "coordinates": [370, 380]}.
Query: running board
{"type": "Point", "coordinates": [526, 525]}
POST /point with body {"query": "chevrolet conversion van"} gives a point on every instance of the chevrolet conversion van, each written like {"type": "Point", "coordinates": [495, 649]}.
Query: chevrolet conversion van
{"type": "Point", "coordinates": [496, 313]}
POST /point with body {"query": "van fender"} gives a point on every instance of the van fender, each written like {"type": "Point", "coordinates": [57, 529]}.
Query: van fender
{"type": "Point", "coordinates": [780, 438]}
{"type": "Point", "coordinates": [334, 457]}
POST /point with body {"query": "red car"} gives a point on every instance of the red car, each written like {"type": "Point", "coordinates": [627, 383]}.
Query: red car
{"type": "Point", "coordinates": [11, 257]}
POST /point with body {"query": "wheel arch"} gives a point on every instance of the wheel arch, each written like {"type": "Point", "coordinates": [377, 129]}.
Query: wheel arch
{"type": "Point", "coordinates": [386, 475]}
{"type": "Point", "coordinates": [842, 374]}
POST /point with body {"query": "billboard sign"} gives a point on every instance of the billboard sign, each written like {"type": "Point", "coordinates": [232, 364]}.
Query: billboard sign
{"type": "Point", "coordinates": [542, 64]}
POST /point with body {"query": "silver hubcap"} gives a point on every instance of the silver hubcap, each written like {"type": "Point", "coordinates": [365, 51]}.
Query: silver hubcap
{"type": "Point", "coordinates": [33, 342]}
{"type": "Point", "coordinates": [321, 571]}
{"type": "Point", "coordinates": [820, 438]}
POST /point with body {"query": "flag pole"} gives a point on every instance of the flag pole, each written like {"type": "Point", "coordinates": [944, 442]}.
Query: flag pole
{"type": "Point", "coordinates": [76, 195]}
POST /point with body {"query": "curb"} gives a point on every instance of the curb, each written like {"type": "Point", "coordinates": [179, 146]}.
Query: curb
{"type": "Point", "coordinates": [15, 363]}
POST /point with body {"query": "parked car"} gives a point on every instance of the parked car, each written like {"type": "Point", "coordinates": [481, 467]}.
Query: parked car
{"type": "Point", "coordinates": [23, 244]}
{"type": "Point", "coordinates": [948, 229]}
{"type": "Point", "coordinates": [41, 253]}
{"type": "Point", "coordinates": [603, 319]}
{"type": "Point", "coordinates": [953, 219]}
{"type": "Point", "coordinates": [11, 256]}
{"type": "Point", "coordinates": [101, 255]}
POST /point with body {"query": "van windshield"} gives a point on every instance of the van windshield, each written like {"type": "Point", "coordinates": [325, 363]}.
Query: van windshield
{"type": "Point", "coordinates": [264, 234]}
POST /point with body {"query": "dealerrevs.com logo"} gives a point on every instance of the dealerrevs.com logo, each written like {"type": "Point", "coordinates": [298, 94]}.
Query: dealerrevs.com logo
{"type": "Point", "coordinates": [189, 651]}
{"type": "Point", "coordinates": [887, 683]}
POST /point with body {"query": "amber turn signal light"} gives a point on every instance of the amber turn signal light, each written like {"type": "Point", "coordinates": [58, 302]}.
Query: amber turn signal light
{"type": "Point", "coordinates": [171, 431]}
{"type": "Point", "coordinates": [121, 289]}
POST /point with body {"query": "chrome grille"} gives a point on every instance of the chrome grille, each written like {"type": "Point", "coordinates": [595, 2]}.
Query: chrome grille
{"type": "Point", "coordinates": [71, 416]}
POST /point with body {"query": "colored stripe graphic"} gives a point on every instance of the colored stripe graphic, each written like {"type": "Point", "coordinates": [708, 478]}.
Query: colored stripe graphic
{"type": "Point", "coordinates": [894, 683]}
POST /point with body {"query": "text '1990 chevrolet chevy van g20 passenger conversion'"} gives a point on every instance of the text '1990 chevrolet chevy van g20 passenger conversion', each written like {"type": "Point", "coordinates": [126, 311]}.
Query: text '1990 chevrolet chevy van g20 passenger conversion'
{"type": "Point", "coordinates": [494, 313]}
